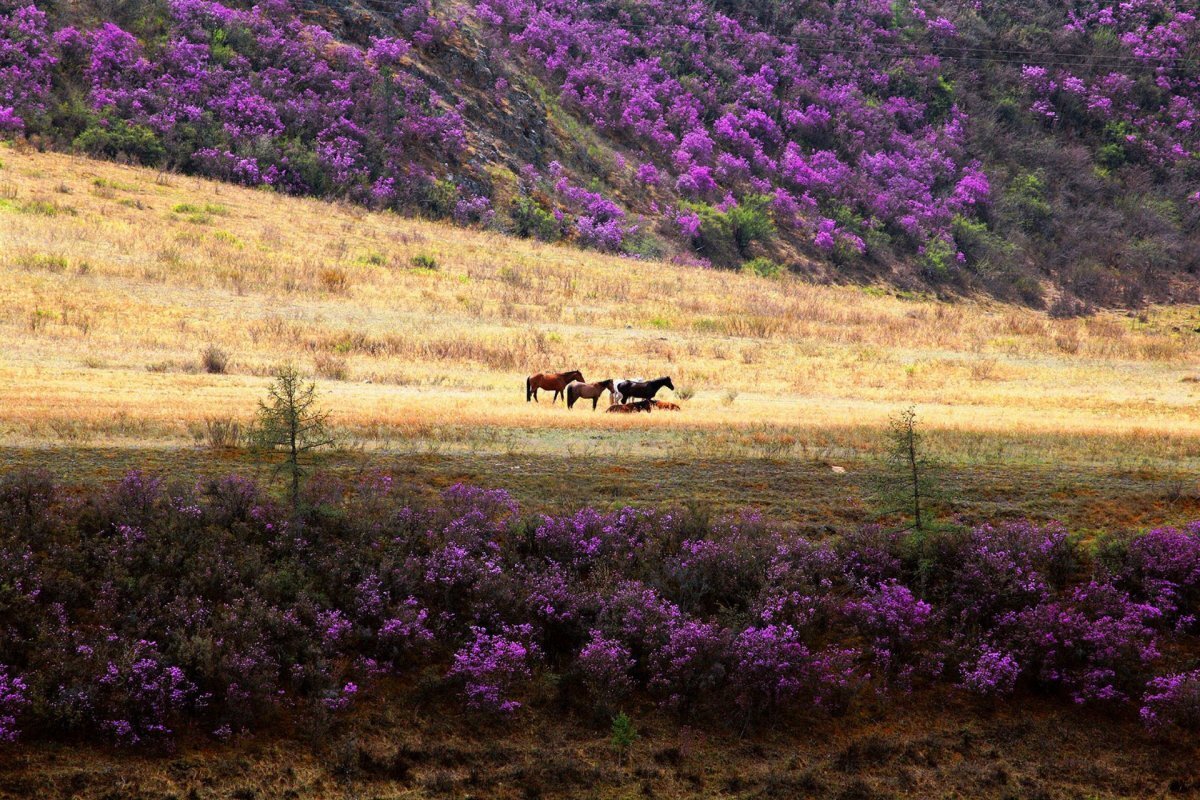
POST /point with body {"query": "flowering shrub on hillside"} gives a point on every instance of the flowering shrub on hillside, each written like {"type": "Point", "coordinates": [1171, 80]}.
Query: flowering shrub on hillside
{"type": "Point", "coordinates": [736, 107]}
{"type": "Point", "coordinates": [839, 125]}
{"type": "Point", "coordinates": [26, 58]}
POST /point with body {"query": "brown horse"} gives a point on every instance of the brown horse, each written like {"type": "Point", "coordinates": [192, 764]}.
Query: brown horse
{"type": "Point", "coordinates": [550, 381]}
{"type": "Point", "coordinates": [588, 391]}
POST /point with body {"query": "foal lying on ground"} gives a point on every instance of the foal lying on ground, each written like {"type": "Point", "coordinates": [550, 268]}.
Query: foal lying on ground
{"type": "Point", "coordinates": [630, 408]}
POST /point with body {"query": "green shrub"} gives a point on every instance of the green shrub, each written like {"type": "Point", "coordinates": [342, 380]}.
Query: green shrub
{"type": "Point", "coordinates": [306, 164]}
{"type": "Point", "coordinates": [119, 138]}
{"type": "Point", "coordinates": [645, 245]}
{"type": "Point", "coordinates": [726, 236]}
{"type": "Point", "coordinates": [751, 221]}
{"type": "Point", "coordinates": [531, 220]}
{"type": "Point", "coordinates": [1111, 156]}
{"type": "Point", "coordinates": [937, 263]}
{"type": "Point", "coordinates": [1025, 200]}
{"type": "Point", "coordinates": [42, 261]}
{"type": "Point", "coordinates": [763, 267]}
{"type": "Point", "coordinates": [207, 208]}
{"type": "Point", "coordinates": [440, 198]}
{"type": "Point", "coordinates": [424, 261]}
{"type": "Point", "coordinates": [624, 734]}
{"type": "Point", "coordinates": [941, 99]}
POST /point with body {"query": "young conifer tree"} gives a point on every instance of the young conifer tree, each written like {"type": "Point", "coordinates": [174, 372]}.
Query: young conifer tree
{"type": "Point", "coordinates": [290, 420]}
{"type": "Point", "coordinates": [906, 482]}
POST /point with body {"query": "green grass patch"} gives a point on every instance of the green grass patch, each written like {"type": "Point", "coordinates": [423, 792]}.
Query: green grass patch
{"type": "Point", "coordinates": [43, 208]}
{"type": "Point", "coordinates": [215, 209]}
{"type": "Point", "coordinates": [373, 258]}
{"type": "Point", "coordinates": [118, 186]}
{"type": "Point", "coordinates": [225, 237]}
{"type": "Point", "coordinates": [42, 261]}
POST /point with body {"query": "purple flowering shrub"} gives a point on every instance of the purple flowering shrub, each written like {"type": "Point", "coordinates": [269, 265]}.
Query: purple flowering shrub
{"type": "Point", "coordinates": [26, 59]}
{"type": "Point", "coordinates": [1096, 643]}
{"type": "Point", "coordinates": [605, 666]}
{"type": "Point", "coordinates": [689, 664]}
{"type": "Point", "coordinates": [1172, 702]}
{"type": "Point", "coordinates": [995, 569]}
{"type": "Point", "coordinates": [1163, 567]}
{"type": "Point", "coordinates": [490, 664]}
{"type": "Point", "coordinates": [769, 668]}
{"type": "Point", "coordinates": [897, 626]}
{"type": "Point", "coordinates": [253, 96]}
{"type": "Point", "coordinates": [12, 699]}
{"type": "Point", "coordinates": [137, 610]}
{"type": "Point", "coordinates": [724, 571]}
{"type": "Point", "coordinates": [993, 673]}
{"type": "Point", "coordinates": [1146, 114]}
{"type": "Point", "coordinates": [804, 581]}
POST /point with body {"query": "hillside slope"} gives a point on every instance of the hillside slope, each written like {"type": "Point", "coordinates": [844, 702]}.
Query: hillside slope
{"type": "Point", "coordinates": [1038, 151]}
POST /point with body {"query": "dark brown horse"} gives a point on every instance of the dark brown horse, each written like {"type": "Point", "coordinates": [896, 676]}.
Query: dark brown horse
{"type": "Point", "coordinates": [641, 390]}
{"type": "Point", "coordinates": [588, 391]}
{"type": "Point", "coordinates": [550, 381]}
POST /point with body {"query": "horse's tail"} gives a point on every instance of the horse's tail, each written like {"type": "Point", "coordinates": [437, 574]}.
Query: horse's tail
{"type": "Point", "coordinates": [528, 389]}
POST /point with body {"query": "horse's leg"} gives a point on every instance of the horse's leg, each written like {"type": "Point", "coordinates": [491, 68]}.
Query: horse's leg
{"type": "Point", "coordinates": [595, 401]}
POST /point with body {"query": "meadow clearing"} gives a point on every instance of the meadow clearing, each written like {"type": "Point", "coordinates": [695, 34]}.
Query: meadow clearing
{"type": "Point", "coordinates": [117, 280]}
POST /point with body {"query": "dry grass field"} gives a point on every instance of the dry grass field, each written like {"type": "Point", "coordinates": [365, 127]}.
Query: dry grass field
{"type": "Point", "coordinates": [116, 280]}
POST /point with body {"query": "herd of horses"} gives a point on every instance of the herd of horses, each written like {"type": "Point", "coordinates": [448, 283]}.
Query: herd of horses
{"type": "Point", "coordinates": [625, 396]}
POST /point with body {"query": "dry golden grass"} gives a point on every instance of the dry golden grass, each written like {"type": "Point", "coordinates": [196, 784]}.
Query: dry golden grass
{"type": "Point", "coordinates": [115, 280]}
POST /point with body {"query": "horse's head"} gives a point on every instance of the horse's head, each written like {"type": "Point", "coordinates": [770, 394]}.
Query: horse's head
{"type": "Point", "coordinates": [574, 375]}
{"type": "Point", "coordinates": [667, 383]}
{"type": "Point", "coordinates": [608, 384]}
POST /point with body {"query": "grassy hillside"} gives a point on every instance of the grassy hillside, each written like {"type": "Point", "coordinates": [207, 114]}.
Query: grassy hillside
{"type": "Point", "coordinates": [1042, 153]}
{"type": "Point", "coordinates": [117, 280]}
